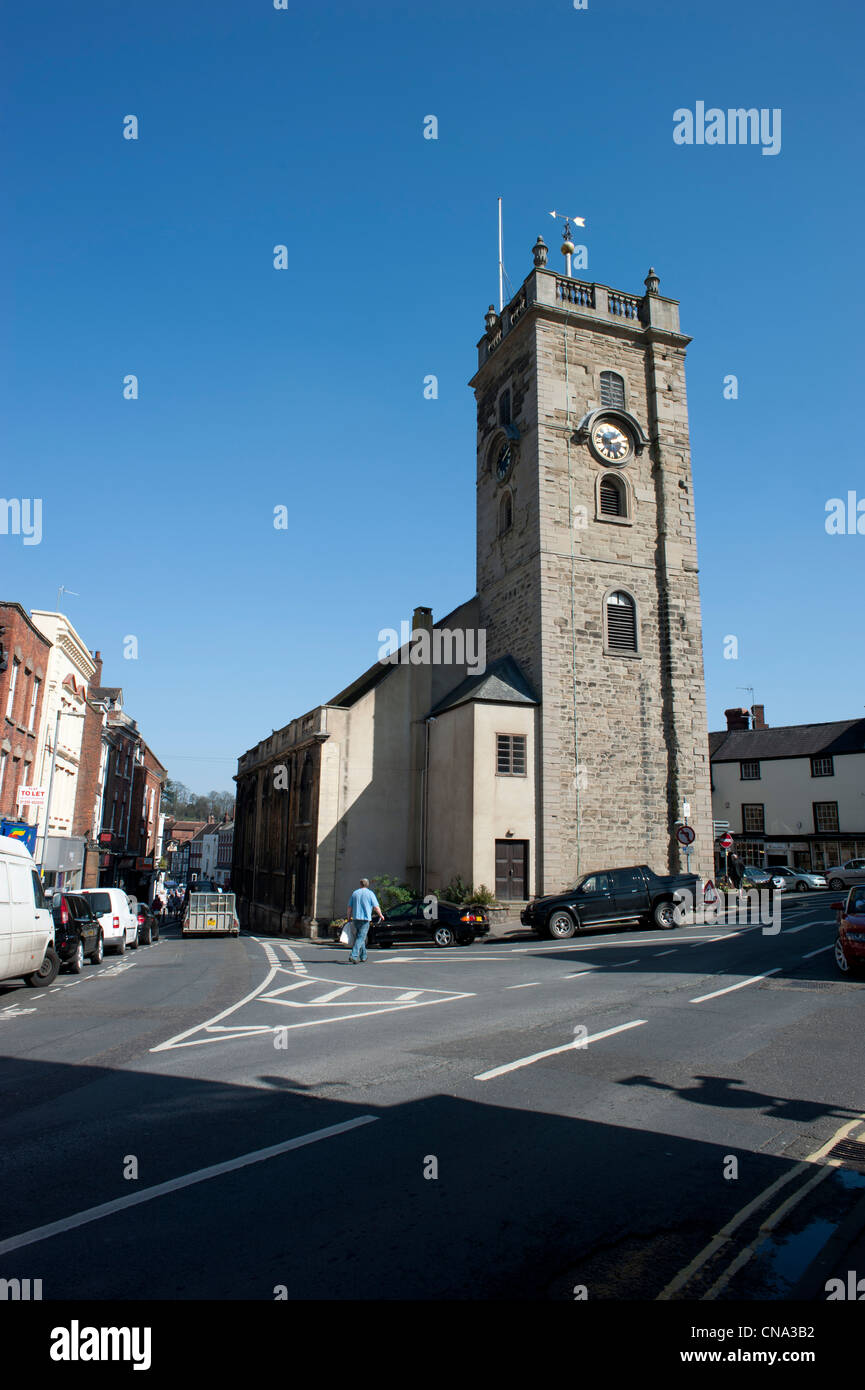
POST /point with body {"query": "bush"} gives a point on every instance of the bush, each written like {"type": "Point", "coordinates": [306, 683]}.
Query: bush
{"type": "Point", "coordinates": [457, 891]}
{"type": "Point", "coordinates": [390, 891]}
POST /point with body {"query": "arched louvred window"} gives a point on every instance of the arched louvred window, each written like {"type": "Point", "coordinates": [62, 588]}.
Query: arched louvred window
{"type": "Point", "coordinates": [612, 389]}
{"type": "Point", "coordinates": [306, 790]}
{"type": "Point", "coordinates": [506, 513]}
{"type": "Point", "coordinates": [612, 498]}
{"type": "Point", "coordinates": [505, 407]}
{"type": "Point", "coordinates": [621, 623]}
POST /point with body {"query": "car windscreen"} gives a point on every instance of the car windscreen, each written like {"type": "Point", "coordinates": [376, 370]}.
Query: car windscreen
{"type": "Point", "coordinates": [100, 902]}
{"type": "Point", "coordinates": [856, 903]}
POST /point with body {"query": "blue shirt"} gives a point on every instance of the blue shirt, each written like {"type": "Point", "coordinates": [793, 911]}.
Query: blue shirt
{"type": "Point", "coordinates": [361, 904]}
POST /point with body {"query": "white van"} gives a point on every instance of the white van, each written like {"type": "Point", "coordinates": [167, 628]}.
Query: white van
{"type": "Point", "coordinates": [115, 912]}
{"type": "Point", "coordinates": [26, 925]}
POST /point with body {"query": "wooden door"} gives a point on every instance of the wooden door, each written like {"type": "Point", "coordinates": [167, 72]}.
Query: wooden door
{"type": "Point", "coordinates": [511, 870]}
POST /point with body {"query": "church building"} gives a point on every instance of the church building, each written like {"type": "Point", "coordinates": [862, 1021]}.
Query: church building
{"type": "Point", "coordinates": [554, 723]}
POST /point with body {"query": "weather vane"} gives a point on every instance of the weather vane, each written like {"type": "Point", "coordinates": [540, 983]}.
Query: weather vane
{"type": "Point", "coordinates": [568, 247]}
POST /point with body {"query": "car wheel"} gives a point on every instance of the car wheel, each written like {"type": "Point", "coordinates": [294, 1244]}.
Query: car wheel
{"type": "Point", "coordinates": [664, 915]}
{"type": "Point", "coordinates": [76, 964]}
{"type": "Point", "coordinates": [561, 925]}
{"type": "Point", "coordinates": [841, 960]}
{"type": "Point", "coordinates": [443, 936]}
{"type": "Point", "coordinates": [801, 886]}
{"type": "Point", "coordinates": [133, 945]}
{"type": "Point", "coordinates": [466, 940]}
{"type": "Point", "coordinates": [836, 884]}
{"type": "Point", "coordinates": [97, 955]}
{"type": "Point", "coordinates": [120, 948]}
{"type": "Point", "coordinates": [146, 937]}
{"type": "Point", "coordinates": [47, 972]}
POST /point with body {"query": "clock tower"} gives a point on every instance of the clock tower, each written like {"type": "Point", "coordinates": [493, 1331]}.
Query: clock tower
{"type": "Point", "coordinates": [587, 568]}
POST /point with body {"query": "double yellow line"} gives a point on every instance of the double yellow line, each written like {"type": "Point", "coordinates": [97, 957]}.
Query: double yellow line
{"type": "Point", "coordinates": [718, 1242]}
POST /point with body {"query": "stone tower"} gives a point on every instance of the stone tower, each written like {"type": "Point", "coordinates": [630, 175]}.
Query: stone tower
{"type": "Point", "coordinates": [587, 567]}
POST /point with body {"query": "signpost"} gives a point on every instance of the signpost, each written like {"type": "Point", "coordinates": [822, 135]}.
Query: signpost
{"type": "Point", "coordinates": [726, 843]}
{"type": "Point", "coordinates": [686, 835]}
{"type": "Point", "coordinates": [31, 796]}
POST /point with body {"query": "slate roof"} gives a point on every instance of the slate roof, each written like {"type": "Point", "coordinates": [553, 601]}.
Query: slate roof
{"type": "Point", "coordinates": [792, 741]}
{"type": "Point", "coordinates": [503, 683]}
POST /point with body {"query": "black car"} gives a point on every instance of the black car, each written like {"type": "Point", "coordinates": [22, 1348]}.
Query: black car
{"type": "Point", "coordinates": [610, 898]}
{"type": "Point", "coordinates": [77, 931]}
{"type": "Point", "coordinates": [148, 925]}
{"type": "Point", "coordinates": [430, 919]}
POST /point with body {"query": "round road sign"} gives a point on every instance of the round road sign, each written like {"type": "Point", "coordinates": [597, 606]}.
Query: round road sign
{"type": "Point", "coordinates": [726, 841]}
{"type": "Point", "coordinates": [685, 835]}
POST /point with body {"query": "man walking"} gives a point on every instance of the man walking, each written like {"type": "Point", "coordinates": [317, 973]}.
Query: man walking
{"type": "Point", "coordinates": [361, 905]}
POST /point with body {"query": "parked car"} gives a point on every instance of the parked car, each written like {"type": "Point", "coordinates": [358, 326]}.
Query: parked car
{"type": "Point", "coordinates": [114, 910]}
{"type": "Point", "coordinates": [446, 924]}
{"type": "Point", "coordinates": [755, 877]}
{"type": "Point", "coordinates": [850, 941]}
{"type": "Point", "coordinates": [843, 875]}
{"type": "Point", "coordinates": [795, 880]}
{"type": "Point", "coordinates": [609, 897]}
{"type": "Point", "coordinates": [148, 925]}
{"type": "Point", "coordinates": [26, 929]}
{"type": "Point", "coordinates": [77, 931]}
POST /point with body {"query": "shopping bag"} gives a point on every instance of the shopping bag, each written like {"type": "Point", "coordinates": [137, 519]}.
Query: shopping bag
{"type": "Point", "coordinates": [347, 935]}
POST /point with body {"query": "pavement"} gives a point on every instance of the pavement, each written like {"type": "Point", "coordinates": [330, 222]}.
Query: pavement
{"type": "Point", "coordinates": [514, 1119]}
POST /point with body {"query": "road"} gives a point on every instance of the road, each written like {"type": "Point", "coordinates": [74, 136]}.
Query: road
{"type": "Point", "coordinates": [518, 1119]}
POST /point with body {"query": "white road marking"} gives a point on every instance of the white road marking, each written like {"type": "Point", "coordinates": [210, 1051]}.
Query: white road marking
{"type": "Point", "coordinates": [619, 963]}
{"type": "Point", "coordinates": [553, 1051]}
{"type": "Point", "coordinates": [16, 1012]}
{"type": "Point", "coordinates": [294, 958]}
{"type": "Point", "coordinates": [701, 998]}
{"type": "Point", "coordinates": [133, 1199]}
{"type": "Point", "coordinates": [818, 952]}
{"type": "Point", "coordinates": [666, 953]}
{"type": "Point", "coordinates": [177, 1040]}
{"type": "Point", "coordinates": [791, 931]}
{"type": "Point", "coordinates": [409, 994]}
{"type": "Point", "coordinates": [592, 970]}
{"type": "Point", "coordinates": [334, 994]}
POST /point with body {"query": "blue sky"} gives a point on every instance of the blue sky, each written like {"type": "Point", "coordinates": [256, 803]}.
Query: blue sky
{"type": "Point", "coordinates": [305, 387]}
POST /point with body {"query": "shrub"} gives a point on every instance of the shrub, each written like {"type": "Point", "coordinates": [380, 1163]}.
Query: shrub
{"type": "Point", "coordinates": [457, 891]}
{"type": "Point", "coordinates": [390, 891]}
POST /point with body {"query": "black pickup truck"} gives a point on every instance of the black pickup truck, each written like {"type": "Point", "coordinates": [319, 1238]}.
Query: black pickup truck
{"type": "Point", "coordinates": [612, 896]}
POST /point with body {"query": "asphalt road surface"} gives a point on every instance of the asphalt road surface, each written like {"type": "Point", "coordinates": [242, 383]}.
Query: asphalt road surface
{"type": "Point", "coordinates": [254, 1118]}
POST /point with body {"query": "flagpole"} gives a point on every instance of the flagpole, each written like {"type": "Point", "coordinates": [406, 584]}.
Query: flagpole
{"type": "Point", "coordinates": [501, 286]}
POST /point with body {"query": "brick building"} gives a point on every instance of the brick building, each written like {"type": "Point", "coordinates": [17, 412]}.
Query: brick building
{"type": "Point", "coordinates": [554, 723]}
{"type": "Point", "coordinates": [22, 692]}
{"type": "Point", "coordinates": [90, 789]}
{"type": "Point", "coordinates": [143, 837]}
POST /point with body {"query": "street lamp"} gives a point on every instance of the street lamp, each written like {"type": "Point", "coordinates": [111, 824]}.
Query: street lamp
{"type": "Point", "coordinates": [72, 715]}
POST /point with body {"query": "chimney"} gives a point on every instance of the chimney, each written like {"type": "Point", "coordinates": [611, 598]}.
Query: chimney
{"type": "Point", "coordinates": [736, 718]}
{"type": "Point", "coordinates": [759, 718]}
{"type": "Point", "coordinates": [97, 675]}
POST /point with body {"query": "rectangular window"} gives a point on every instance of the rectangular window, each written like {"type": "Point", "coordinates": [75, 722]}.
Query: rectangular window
{"type": "Point", "coordinates": [822, 767]}
{"type": "Point", "coordinates": [3, 759]}
{"type": "Point", "coordinates": [749, 772]}
{"type": "Point", "coordinates": [13, 681]}
{"type": "Point", "coordinates": [31, 718]}
{"type": "Point", "coordinates": [826, 817]}
{"type": "Point", "coordinates": [511, 755]}
{"type": "Point", "coordinates": [753, 820]}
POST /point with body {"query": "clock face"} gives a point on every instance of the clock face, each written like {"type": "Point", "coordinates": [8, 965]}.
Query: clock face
{"type": "Point", "coordinates": [610, 442]}
{"type": "Point", "coordinates": [503, 461]}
